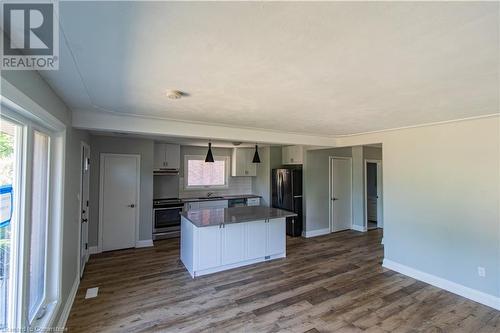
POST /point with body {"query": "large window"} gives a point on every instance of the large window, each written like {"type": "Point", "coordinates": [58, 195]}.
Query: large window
{"type": "Point", "coordinates": [39, 221]}
{"type": "Point", "coordinates": [31, 174]}
{"type": "Point", "coordinates": [199, 174]}
{"type": "Point", "coordinates": [9, 179]}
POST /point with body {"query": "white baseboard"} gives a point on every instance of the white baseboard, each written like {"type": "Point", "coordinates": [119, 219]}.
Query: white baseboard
{"type": "Point", "coordinates": [144, 243]}
{"type": "Point", "coordinates": [472, 294]}
{"type": "Point", "coordinates": [358, 228]}
{"type": "Point", "coordinates": [69, 303]}
{"type": "Point", "coordinates": [93, 250]}
{"type": "Point", "coordinates": [315, 233]}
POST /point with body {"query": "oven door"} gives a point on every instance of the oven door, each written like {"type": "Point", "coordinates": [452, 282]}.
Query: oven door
{"type": "Point", "coordinates": [166, 219]}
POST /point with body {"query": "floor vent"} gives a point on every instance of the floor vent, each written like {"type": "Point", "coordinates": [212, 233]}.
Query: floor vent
{"type": "Point", "coordinates": [91, 292]}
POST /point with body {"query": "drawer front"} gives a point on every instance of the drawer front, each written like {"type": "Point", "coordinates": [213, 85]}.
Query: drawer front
{"type": "Point", "coordinates": [253, 201]}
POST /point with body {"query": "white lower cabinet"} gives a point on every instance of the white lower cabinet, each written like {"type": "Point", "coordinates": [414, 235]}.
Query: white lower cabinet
{"type": "Point", "coordinates": [256, 239]}
{"type": "Point", "coordinates": [206, 250]}
{"type": "Point", "coordinates": [276, 239]}
{"type": "Point", "coordinates": [233, 243]}
{"type": "Point", "coordinates": [209, 247]}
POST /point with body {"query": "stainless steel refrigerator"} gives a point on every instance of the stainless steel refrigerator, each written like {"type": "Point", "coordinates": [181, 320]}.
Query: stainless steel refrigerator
{"type": "Point", "coordinates": [287, 195]}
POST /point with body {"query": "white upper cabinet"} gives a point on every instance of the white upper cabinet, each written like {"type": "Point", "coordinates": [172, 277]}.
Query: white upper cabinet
{"type": "Point", "coordinates": [167, 156]}
{"type": "Point", "coordinates": [241, 164]}
{"type": "Point", "coordinates": [293, 155]}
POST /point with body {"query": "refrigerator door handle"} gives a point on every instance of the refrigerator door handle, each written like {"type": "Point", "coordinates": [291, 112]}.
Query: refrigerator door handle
{"type": "Point", "coordinates": [282, 191]}
{"type": "Point", "coordinates": [279, 189]}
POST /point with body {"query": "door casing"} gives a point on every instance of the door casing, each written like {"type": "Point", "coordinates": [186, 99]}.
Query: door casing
{"type": "Point", "coordinates": [83, 146]}
{"type": "Point", "coordinates": [380, 206]}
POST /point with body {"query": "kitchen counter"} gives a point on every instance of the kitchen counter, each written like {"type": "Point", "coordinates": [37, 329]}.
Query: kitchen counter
{"type": "Point", "coordinates": [225, 197]}
{"type": "Point", "coordinates": [218, 216]}
{"type": "Point", "coordinates": [214, 240]}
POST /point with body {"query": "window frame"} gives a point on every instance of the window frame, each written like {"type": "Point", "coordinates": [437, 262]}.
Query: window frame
{"type": "Point", "coordinates": [227, 166]}
{"type": "Point", "coordinates": [43, 122]}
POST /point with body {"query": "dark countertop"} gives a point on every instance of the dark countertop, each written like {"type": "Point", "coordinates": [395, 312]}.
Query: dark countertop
{"type": "Point", "coordinates": [216, 216]}
{"type": "Point", "coordinates": [219, 197]}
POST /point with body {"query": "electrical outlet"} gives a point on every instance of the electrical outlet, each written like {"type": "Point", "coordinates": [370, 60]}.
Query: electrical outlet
{"type": "Point", "coordinates": [481, 271]}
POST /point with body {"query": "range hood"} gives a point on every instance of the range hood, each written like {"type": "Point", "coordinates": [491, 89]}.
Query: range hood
{"type": "Point", "coordinates": [165, 172]}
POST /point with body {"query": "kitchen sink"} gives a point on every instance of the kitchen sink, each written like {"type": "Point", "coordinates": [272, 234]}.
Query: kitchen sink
{"type": "Point", "coordinates": [207, 198]}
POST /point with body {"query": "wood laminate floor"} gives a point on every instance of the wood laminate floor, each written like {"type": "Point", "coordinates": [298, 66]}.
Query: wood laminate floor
{"type": "Point", "coordinates": [332, 283]}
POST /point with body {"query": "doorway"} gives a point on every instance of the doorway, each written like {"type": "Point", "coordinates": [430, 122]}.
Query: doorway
{"type": "Point", "coordinates": [373, 194]}
{"type": "Point", "coordinates": [340, 193]}
{"type": "Point", "coordinates": [119, 201]}
{"type": "Point", "coordinates": [84, 205]}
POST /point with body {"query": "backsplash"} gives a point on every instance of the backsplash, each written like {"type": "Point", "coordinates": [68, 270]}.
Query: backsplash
{"type": "Point", "coordinates": [237, 185]}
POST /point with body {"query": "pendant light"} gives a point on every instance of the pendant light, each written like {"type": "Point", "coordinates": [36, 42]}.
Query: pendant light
{"type": "Point", "coordinates": [210, 157]}
{"type": "Point", "coordinates": [256, 158]}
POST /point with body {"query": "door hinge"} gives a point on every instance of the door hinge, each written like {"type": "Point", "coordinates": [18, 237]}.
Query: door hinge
{"type": "Point", "coordinates": [87, 203]}
{"type": "Point", "coordinates": [86, 246]}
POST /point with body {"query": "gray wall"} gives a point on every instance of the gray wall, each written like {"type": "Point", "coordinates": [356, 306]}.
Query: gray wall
{"type": "Point", "coordinates": [358, 189]}
{"type": "Point", "coordinates": [237, 185]}
{"type": "Point", "coordinates": [261, 184]}
{"type": "Point", "coordinates": [441, 201]}
{"type": "Point", "coordinates": [32, 85]}
{"type": "Point", "coordinates": [107, 144]}
{"type": "Point", "coordinates": [316, 175]}
{"type": "Point", "coordinates": [372, 153]}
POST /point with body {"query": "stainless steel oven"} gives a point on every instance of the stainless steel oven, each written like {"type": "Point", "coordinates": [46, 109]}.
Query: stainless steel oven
{"type": "Point", "coordinates": [167, 218]}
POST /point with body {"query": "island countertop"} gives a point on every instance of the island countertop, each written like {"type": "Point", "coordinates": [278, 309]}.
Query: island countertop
{"type": "Point", "coordinates": [217, 216]}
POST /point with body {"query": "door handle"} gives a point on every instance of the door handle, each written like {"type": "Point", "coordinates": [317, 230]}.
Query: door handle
{"type": "Point", "coordinates": [131, 205]}
{"type": "Point", "coordinates": [84, 220]}
{"type": "Point", "coordinates": [335, 199]}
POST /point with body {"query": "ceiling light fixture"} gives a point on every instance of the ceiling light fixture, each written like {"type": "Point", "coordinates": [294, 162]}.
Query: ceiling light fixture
{"type": "Point", "coordinates": [174, 94]}
{"type": "Point", "coordinates": [210, 157]}
{"type": "Point", "coordinates": [256, 157]}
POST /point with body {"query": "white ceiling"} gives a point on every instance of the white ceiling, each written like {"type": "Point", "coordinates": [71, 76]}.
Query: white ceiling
{"type": "Point", "coordinates": [323, 68]}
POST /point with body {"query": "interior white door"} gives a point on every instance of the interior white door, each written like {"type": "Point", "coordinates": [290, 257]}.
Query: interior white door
{"type": "Point", "coordinates": [120, 189]}
{"type": "Point", "coordinates": [84, 204]}
{"type": "Point", "coordinates": [341, 187]}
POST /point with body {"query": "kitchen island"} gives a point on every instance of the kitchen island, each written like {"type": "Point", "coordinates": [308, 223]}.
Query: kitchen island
{"type": "Point", "coordinates": [214, 240]}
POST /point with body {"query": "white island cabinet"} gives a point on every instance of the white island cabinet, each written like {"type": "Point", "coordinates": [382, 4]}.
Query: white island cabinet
{"type": "Point", "coordinates": [214, 240]}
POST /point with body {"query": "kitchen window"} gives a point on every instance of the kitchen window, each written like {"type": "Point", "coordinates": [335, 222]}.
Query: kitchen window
{"type": "Point", "coordinates": [199, 174]}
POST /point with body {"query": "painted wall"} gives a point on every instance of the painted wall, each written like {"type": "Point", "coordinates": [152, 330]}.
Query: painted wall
{"type": "Point", "coordinates": [317, 192]}
{"type": "Point", "coordinates": [237, 185]}
{"type": "Point", "coordinates": [358, 189]}
{"type": "Point", "coordinates": [441, 199]}
{"type": "Point", "coordinates": [34, 87]}
{"type": "Point", "coordinates": [372, 153]}
{"type": "Point", "coordinates": [261, 184]}
{"type": "Point", "coordinates": [108, 144]}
